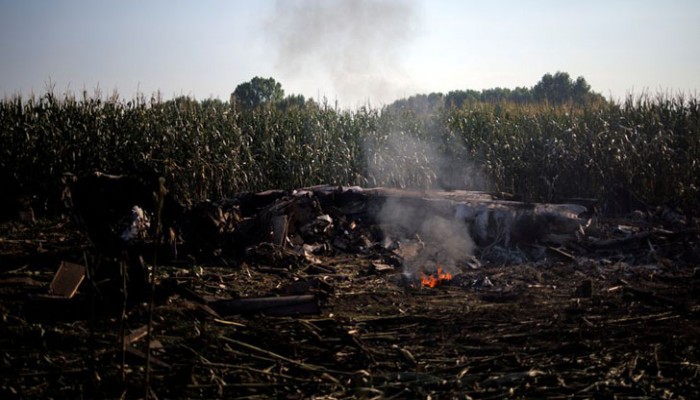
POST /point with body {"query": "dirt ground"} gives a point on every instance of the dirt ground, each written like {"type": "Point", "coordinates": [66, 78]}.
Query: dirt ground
{"type": "Point", "coordinates": [619, 320]}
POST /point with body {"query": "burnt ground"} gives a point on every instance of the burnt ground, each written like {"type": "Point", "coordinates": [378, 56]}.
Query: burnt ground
{"type": "Point", "coordinates": [615, 319]}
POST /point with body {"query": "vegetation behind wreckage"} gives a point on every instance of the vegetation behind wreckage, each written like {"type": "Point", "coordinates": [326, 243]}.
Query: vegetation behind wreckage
{"type": "Point", "coordinates": [648, 145]}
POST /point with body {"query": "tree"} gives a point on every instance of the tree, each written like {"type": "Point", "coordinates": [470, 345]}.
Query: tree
{"type": "Point", "coordinates": [256, 92]}
{"type": "Point", "coordinates": [521, 95]}
{"type": "Point", "coordinates": [556, 89]}
{"type": "Point", "coordinates": [581, 88]}
{"type": "Point", "coordinates": [457, 98]}
{"type": "Point", "coordinates": [419, 103]}
{"type": "Point", "coordinates": [560, 88]}
{"type": "Point", "coordinates": [292, 101]}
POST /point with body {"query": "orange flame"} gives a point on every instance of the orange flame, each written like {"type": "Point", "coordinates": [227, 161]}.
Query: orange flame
{"type": "Point", "coordinates": [434, 280]}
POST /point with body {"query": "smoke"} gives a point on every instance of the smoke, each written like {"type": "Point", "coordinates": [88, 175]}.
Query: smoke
{"type": "Point", "coordinates": [356, 44]}
{"type": "Point", "coordinates": [438, 239]}
{"type": "Point", "coordinates": [451, 238]}
{"type": "Point", "coordinates": [401, 159]}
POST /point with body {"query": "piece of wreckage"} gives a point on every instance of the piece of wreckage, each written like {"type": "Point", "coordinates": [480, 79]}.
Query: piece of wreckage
{"type": "Point", "coordinates": [426, 235]}
{"type": "Point", "coordinates": [117, 215]}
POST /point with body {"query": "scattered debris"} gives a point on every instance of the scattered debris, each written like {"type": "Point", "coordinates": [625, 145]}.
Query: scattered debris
{"type": "Point", "coordinates": [280, 294]}
{"type": "Point", "coordinates": [282, 305]}
{"type": "Point", "coordinates": [67, 279]}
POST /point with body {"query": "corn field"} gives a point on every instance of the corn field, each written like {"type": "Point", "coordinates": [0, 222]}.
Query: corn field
{"type": "Point", "coordinates": [648, 145]}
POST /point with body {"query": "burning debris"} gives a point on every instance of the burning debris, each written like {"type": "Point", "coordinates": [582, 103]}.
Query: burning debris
{"type": "Point", "coordinates": [418, 231]}
{"type": "Point", "coordinates": [436, 279]}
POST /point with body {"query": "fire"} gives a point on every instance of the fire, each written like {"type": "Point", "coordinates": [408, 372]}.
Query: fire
{"type": "Point", "coordinates": [435, 279]}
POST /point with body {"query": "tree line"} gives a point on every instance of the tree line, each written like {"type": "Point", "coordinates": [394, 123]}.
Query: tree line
{"type": "Point", "coordinates": [553, 89]}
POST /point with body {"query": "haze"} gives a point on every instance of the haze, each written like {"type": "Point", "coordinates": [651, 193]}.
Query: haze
{"type": "Point", "coordinates": [350, 52]}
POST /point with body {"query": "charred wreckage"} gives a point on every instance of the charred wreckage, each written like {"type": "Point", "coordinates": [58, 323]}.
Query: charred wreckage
{"type": "Point", "coordinates": [428, 233]}
{"type": "Point", "coordinates": [348, 292]}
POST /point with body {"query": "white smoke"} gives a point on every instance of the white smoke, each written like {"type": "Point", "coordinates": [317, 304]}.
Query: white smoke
{"type": "Point", "coordinates": [399, 159]}
{"type": "Point", "coordinates": [438, 239]}
{"type": "Point", "coordinates": [356, 44]}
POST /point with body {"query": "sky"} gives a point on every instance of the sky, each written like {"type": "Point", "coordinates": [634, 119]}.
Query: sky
{"type": "Point", "coordinates": [350, 52]}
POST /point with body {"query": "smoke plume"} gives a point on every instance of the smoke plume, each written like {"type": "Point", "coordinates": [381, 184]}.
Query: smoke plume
{"type": "Point", "coordinates": [355, 44]}
{"type": "Point", "coordinates": [443, 240]}
{"type": "Point", "coordinates": [400, 159]}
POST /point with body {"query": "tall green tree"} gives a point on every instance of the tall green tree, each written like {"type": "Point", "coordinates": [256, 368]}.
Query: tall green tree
{"type": "Point", "coordinates": [560, 88]}
{"type": "Point", "coordinates": [256, 92]}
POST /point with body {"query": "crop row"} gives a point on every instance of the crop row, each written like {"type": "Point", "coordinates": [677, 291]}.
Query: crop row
{"type": "Point", "coordinates": [648, 146]}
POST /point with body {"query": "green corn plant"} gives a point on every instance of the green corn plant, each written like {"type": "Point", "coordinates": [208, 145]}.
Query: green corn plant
{"type": "Point", "coordinates": [649, 145]}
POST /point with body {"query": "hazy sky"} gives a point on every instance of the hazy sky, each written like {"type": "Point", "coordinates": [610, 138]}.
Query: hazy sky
{"type": "Point", "coordinates": [352, 51]}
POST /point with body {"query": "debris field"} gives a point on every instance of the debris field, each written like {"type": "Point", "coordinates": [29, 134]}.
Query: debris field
{"type": "Point", "coordinates": [348, 293]}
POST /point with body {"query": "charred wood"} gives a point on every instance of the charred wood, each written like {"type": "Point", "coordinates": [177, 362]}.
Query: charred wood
{"type": "Point", "coordinates": [284, 305]}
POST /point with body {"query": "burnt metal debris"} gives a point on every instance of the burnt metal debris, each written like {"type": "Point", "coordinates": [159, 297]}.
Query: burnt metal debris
{"type": "Point", "coordinates": [343, 293]}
